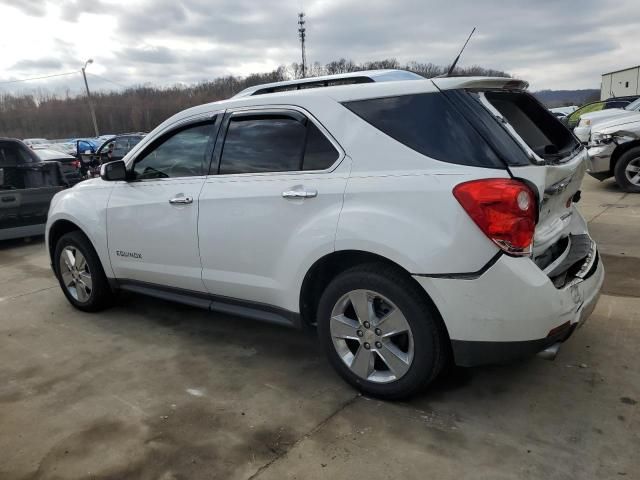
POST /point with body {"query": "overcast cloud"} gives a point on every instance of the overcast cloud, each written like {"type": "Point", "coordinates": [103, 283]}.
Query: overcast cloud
{"type": "Point", "coordinates": [551, 43]}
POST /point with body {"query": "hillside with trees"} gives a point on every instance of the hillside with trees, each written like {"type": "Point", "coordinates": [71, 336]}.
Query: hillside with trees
{"type": "Point", "coordinates": [141, 108]}
{"type": "Point", "coordinates": [563, 98]}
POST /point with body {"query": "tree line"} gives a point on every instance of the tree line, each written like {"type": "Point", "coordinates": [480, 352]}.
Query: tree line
{"type": "Point", "coordinates": [141, 108]}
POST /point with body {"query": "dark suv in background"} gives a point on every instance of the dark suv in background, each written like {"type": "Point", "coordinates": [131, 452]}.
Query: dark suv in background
{"type": "Point", "coordinates": [27, 184]}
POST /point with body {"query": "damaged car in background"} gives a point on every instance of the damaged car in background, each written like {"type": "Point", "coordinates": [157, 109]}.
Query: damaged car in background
{"type": "Point", "coordinates": [614, 151]}
{"type": "Point", "coordinates": [590, 120]}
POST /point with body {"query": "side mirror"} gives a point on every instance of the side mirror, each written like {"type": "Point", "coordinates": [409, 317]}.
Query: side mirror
{"type": "Point", "coordinates": [113, 171]}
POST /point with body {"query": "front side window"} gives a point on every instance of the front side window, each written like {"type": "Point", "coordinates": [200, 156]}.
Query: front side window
{"type": "Point", "coordinates": [278, 143]}
{"type": "Point", "coordinates": [121, 147]}
{"type": "Point", "coordinates": [181, 154]}
{"type": "Point", "coordinates": [12, 156]}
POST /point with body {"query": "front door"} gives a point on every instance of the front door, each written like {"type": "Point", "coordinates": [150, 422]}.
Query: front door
{"type": "Point", "coordinates": [152, 219]}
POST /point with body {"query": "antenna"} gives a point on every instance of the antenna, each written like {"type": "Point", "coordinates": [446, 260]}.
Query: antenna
{"type": "Point", "coordinates": [455, 62]}
{"type": "Point", "coordinates": [302, 35]}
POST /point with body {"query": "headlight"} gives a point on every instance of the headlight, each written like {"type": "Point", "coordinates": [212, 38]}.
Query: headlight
{"type": "Point", "coordinates": [600, 138]}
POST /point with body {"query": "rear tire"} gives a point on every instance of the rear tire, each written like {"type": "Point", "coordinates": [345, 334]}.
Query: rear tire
{"type": "Point", "coordinates": [627, 171]}
{"type": "Point", "coordinates": [380, 332]}
{"type": "Point", "coordinates": [80, 273]}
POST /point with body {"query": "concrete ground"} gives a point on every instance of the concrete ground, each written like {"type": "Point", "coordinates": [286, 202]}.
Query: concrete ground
{"type": "Point", "coordinates": [152, 390]}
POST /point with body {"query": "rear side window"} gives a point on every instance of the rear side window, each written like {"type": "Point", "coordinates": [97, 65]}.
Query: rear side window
{"type": "Point", "coordinates": [539, 129]}
{"type": "Point", "coordinates": [259, 144]}
{"type": "Point", "coordinates": [319, 153]}
{"type": "Point", "coordinates": [429, 124]}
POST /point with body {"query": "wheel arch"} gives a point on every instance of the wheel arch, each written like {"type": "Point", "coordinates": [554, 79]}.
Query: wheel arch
{"type": "Point", "coordinates": [329, 266]}
{"type": "Point", "coordinates": [59, 228]}
{"type": "Point", "coordinates": [56, 231]}
{"type": "Point", "coordinates": [619, 151]}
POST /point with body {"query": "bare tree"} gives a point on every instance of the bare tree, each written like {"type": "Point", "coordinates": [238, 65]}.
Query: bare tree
{"type": "Point", "coordinates": [141, 108]}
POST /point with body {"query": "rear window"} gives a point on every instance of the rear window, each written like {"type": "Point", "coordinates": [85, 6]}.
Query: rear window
{"type": "Point", "coordinates": [429, 124]}
{"type": "Point", "coordinates": [539, 129]}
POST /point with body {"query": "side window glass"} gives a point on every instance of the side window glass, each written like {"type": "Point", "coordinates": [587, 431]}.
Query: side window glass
{"type": "Point", "coordinates": [429, 124]}
{"type": "Point", "coordinates": [319, 153]}
{"type": "Point", "coordinates": [10, 177]}
{"type": "Point", "coordinates": [182, 154]}
{"type": "Point", "coordinates": [121, 147]}
{"type": "Point", "coordinates": [107, 147]}
{"type": "Point", "coordinates": [263, 144]}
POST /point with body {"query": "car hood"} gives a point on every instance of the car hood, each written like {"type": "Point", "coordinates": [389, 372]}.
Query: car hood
{"type": "Point", "coordinates": [602, 115]}
{"type": "Point", "coordinates": [627, 122]}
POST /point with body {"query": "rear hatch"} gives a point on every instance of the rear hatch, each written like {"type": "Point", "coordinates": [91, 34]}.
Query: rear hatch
{"type": "Point", "coordinates": [557, 160]}
{"type": "Point", "coordinates": [538, 149]}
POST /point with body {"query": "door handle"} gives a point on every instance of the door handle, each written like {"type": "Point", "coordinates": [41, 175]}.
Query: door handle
{"type": "Point", "coordinates": [181, 200]}
{"type": "Point", "coordinates": [8, 199]}
{"type": "Point", "coordinates": [299, 194]}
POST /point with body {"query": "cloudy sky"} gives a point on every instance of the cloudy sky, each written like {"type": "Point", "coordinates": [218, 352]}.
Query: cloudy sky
{"type": "Point", "coordinates": [552, 43]}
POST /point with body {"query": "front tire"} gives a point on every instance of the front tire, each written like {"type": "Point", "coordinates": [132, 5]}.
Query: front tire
{"type": "Point", "coordinates": [627, 171]}
{"type": "Point", "coordinates": [380, 332]}
{"type": "Point", "coordinates": [80, 273]}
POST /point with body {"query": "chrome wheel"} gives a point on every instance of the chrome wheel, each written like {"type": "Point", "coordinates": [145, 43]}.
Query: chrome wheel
{"type": "Point", "coordinates": [75, 273]}
{"type": "Point", "coordinates": [632, 171]}
{"type": "Point", "coordinates": [371, 336]}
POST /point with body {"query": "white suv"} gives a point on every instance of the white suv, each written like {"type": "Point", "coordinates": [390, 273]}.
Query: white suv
{"type": "Point", "coordinates": [412, 221]}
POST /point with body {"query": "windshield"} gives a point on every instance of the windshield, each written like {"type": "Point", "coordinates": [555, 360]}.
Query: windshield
{"type": "Point", "coordinates": [635, 105]}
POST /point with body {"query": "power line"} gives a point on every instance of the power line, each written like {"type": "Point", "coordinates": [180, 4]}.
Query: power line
{"type": "Point", "coordinates": [40, 78]}
{"type": "Point", "coordinates": [107, 80]}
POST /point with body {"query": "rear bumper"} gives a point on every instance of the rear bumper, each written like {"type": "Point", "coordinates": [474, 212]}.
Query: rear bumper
{"type": "Point", "coordinates": [511, 311]}
{"type": "Point", "coordinates": [469, 354]}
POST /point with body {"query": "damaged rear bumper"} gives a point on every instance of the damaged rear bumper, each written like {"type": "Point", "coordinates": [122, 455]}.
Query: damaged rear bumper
{"type": "Point", "coordinates": [514, 310]}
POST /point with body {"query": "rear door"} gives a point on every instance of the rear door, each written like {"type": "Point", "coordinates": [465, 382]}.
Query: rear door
{"type": "Point", "coordinates": [557, 165]}
{"type": "Point", "coordinates": [271, 204]}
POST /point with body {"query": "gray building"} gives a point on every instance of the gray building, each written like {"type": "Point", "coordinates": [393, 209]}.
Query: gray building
{"type": "Point", "coordinates": [620, 83]}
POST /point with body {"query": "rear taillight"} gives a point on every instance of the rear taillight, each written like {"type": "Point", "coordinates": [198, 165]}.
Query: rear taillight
{"type": "Point", "coordinates": [504, 209]}
{"type": "Point", "coordinates": [76, 164]}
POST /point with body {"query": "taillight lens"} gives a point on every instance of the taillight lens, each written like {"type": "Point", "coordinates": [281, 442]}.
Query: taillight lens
{"type": "Point", "coordinates": [504, 209]}
{"type": "Point", "coordinates": [76, 164]}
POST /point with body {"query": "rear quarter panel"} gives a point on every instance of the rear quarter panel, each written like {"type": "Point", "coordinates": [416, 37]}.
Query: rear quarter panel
{"type": "Point", "coordinates": [399, 204]}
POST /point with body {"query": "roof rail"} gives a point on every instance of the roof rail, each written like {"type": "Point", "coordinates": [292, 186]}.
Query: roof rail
{"type": "Point", "coordinates": [366, 76]}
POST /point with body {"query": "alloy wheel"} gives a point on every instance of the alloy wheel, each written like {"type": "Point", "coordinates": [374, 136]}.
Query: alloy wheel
{"type": "Point", "coordinates": [75, 274]}
{"type": "Point", "coordinates": [632, 171]}
{"type": "Point", "coordinates": [372, 336]}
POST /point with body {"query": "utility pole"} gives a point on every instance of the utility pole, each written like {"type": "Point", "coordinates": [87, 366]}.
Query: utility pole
{"type": "Point", "coordinates": [302, 35]}
{"type": "Point", "coordinates": [93, 113]}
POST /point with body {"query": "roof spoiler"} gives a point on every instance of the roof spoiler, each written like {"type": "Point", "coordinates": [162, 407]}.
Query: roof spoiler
{"type": "Point", "coordinates": [480, 83]}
